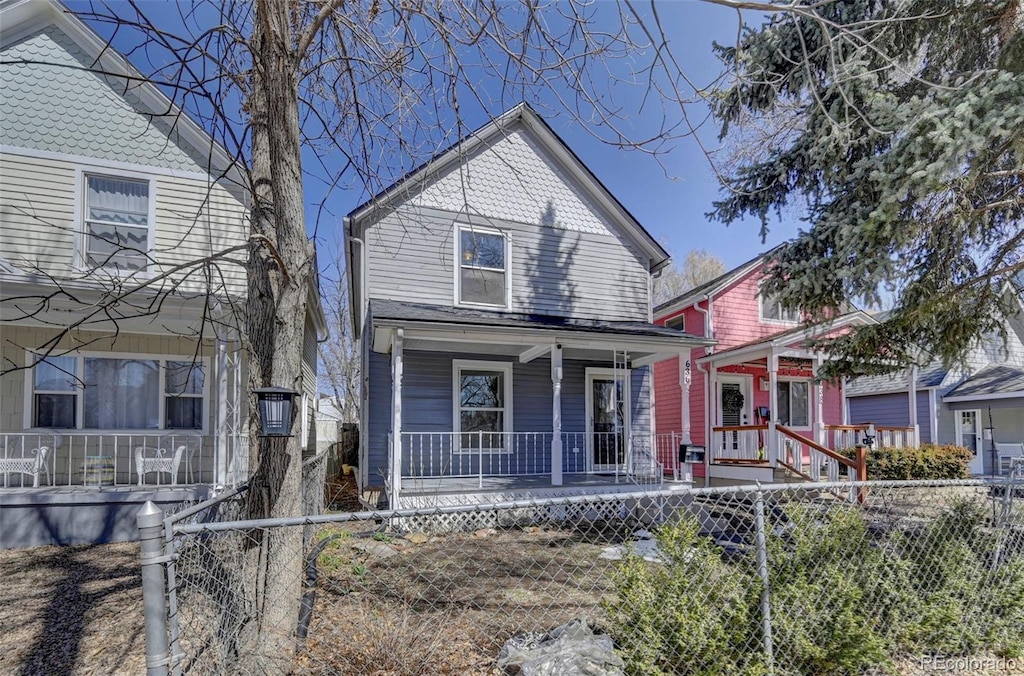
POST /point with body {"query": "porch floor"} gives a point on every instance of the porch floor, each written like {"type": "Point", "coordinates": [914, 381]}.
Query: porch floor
{"type": "Point", "coordinates": [525, 485]}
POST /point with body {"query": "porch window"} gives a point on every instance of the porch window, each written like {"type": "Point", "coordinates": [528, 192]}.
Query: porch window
{"type": "Point", "coordinates": [794, 403]}
{"type": "Point", "coordinates": [117, 223]}
{"type": "Point", "coordinates": [183, 395]}
{"type": "Point", "coordinates": [127, 393]}
{"type": "Point", "coordinates": [483, 410]}
{"type": "Point", "coordinates": [482, 277]}
{"type": "Point", "coordinates": [121, 394]}
{"type": "Point", "coordinates": [773, 311]}
{"type": "Point", "coordinates": [55, 396]}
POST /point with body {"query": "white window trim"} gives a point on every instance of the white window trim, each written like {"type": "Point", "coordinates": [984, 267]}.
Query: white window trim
{"type": "Point", "coordinates": [810, 401]}
{"type": "Point", "coordinates": [465, 227]}
{"type": "Point", "coordinates": [681, 318]}
{"type": "Point", "coordinates": [80, 262]}
{"type": "Point", "coordinates": [29, 388]}
{"type": "Point", "coordinates": [979, 433]}
{"type": "Point", "coordinates": [457, 367]}
{"type": "Point", "coordinates": [765, 320]}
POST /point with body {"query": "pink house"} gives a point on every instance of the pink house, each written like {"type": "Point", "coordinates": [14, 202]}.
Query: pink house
{"type": "Point", "coordinates": [750, 400]}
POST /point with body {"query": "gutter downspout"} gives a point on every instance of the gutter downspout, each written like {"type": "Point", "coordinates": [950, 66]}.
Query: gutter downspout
{"type": "Point", "coordinates": [358, 334]}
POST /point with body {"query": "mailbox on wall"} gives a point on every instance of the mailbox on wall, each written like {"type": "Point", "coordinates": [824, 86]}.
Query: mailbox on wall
{"type": "Point", "coordinates": [691, 453]}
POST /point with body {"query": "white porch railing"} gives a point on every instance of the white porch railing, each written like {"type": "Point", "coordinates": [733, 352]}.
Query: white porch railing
{"type": "Point", "coordinates": [851, 436]}
{"type": "Point", "coordinates": [739, 444]}
{"type": "Point", "coordinates": [436, 455]}
{"type": "Point", "coordinates": [110, 459]}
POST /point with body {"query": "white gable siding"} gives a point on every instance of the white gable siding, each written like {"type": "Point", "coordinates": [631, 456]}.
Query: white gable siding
{"type": "Point", "coordinates": [51, 102]}
{"type": "Point", "coordinates": [567, 257]}
{"type": "Point", "coordinates": [514, 180]}
{"type": "Point", "coordinates": [553, 271]}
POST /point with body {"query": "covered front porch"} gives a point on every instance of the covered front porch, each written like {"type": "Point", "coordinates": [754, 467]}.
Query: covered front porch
{"type": "Point", "coordinates": [518, 409]}
{"type": "Point", "coordinates": [768, 412]}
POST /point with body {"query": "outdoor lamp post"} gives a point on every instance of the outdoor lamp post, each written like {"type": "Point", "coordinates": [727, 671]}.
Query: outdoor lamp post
{"type": "Point", "coordinates": [276, 407]}
{"type": "Point", "coordinates": [869, 436]}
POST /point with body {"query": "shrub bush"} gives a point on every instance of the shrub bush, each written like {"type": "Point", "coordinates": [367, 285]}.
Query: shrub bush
{"type": "Point", "coordinates": [929, 461]}
{"type": "Point", "coordinates": [845, 598]}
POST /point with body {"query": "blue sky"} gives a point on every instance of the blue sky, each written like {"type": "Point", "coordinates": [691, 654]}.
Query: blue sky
{"type": "Point", "coordinates": [669, 198]}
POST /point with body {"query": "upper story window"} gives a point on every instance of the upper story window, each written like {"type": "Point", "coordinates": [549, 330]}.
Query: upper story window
{"type": "Point", "coordinates": [772, 311]}
{"type": "Point", "coordinates": [117, 223]}
{"type": "Point", "coordinates": [678, 323]}
{"type": "Point", "coordinates": [118, 393]}
{"type": "Point", "coordinates": [482, 274]}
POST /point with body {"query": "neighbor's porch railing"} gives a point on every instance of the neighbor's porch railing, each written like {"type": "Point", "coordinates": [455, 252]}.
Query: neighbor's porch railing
{"type": "Point", "coordinates": [851, 436]}
{"type": "Point", "coordinates": [436, 455]}
{"type": "Point", "coordinates": [739, 444]}
{"type": "Point", "coordinates": [99, 459]}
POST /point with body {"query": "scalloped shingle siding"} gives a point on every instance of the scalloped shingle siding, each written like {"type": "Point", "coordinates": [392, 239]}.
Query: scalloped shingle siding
{"type": "Point", "coordinates": [514, 180]}
{"type": "Point", "coordinates": [52, 104]}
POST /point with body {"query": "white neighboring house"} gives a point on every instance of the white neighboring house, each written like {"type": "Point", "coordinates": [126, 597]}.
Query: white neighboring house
{"type": "Point", "coordinates": [107, 189]}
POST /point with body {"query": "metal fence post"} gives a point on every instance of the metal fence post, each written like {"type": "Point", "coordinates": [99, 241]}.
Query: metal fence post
{"type": "Point", "coordinates": [762, 571]}
{"type": "Point", "coordinates": [150, 522]}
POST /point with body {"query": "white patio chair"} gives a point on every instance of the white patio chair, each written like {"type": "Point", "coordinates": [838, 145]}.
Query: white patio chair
{"type": "Point", "coordinates": [157, 460]}
{"type": "Point", "coordinates": [31, 464]}
{"type": "Point", "coordinates": [1005, 453]}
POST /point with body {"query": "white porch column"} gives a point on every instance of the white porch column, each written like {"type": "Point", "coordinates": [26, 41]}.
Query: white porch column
{"type": "Point", "coordinates": [396, 418]}
{"type": "Point", "coordinates": [912, 400]}
{"type": "Point", "coordinates": [712, 405]}
{"type": "Point", "coordinates": [773, 403]}
{"type": "Point", "coordinates": [556, 415]}
{"type": "Point", "coordinates": [685, 378]}
{"type": "Point", "coordinates": [220, 443]}
{"type": "Point", "coordinates": [819, 403]}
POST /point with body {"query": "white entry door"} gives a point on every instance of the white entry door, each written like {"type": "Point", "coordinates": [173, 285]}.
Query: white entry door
{"type": "Point", "coordinates": [734, 406]}
{"type": "Point", "coordinates": [968, 435]}
{"type": "Point", "coordinates": [607, 419]}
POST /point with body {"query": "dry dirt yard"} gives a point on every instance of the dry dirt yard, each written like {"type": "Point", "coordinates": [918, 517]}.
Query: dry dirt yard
{"type": "Point", "coordinates": [71, 610]}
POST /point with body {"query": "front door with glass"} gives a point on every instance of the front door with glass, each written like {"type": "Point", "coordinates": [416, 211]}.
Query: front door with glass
{"type": "Point", "coordinates": [607, 420]}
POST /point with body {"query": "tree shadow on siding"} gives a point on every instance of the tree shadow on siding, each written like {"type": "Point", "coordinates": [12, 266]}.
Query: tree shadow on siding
{"type": "Point", "coordinates": [550, 289]}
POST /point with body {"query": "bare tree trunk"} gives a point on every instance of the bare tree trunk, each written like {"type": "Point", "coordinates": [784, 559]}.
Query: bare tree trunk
{"type": "Point", "coordinates": [279, 268]}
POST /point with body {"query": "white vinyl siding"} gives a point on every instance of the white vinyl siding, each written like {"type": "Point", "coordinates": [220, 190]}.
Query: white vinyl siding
{"type": "Point", "coordinates": [552, 271]}
{"type": "Point", "coordinates": [42, 209]}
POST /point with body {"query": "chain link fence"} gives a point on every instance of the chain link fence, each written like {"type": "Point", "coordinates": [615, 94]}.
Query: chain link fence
{"type": "Point", "coordinates": [845, 578]}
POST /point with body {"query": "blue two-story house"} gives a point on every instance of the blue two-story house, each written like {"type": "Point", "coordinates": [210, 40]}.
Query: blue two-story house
{"type": "Point", "coordinates": [502, 297]}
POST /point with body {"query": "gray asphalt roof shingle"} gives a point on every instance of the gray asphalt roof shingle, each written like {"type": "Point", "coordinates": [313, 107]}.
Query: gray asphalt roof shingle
{"type": "Point", "coordinates": [989, 381]}
{"type": "Point", "coordinates": [390, 309]}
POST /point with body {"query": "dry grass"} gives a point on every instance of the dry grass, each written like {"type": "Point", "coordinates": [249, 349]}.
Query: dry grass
{"type": "Point", "coordinates": [447, 606]}
{"type": "Point", "coordinates": [71, 610]}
